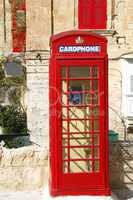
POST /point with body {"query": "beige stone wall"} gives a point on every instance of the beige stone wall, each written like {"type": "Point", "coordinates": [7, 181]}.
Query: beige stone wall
{"type": "Point", "coordinates": [22, 169]}
{"type": "Point", "coordinates": [120, 164]}
{"type": "Point", "coordinates": [1, 26]}
{"type": "Point", "coordinates": [37, 97]}
{"type": "Point", "coordinates": [5, 27]}
{"type": "Point", "coordinates": [38, 23]}
{"type": "Point", "coordinates": [63, 15]}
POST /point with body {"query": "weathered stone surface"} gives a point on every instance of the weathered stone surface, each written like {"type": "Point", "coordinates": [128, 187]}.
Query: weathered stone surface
{"type": "Point", "coordinates": [121, 165]}
{"type": "Point", "coordinates": [24, 168]}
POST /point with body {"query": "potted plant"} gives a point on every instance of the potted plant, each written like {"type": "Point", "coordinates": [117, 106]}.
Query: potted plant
{"type": "Point", "coordinates": [13, 120]}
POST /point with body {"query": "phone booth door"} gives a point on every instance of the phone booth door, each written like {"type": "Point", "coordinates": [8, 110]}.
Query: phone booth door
{"type": "Point", "coordinates": [81, 125]}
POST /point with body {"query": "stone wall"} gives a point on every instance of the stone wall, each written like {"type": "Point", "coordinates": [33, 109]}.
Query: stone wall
{"type": "Point", "coordinates": [5, 27]}
{"type": "Point", "coordinates": [37, 97]}
{"type": "Point", "coordinates": [24, 168]}
{"type": "Point", "coordinates": [121, 165]}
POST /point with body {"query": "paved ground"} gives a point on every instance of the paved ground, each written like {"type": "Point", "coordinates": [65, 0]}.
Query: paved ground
{"type": "Point", "coordinates": [116, 195]}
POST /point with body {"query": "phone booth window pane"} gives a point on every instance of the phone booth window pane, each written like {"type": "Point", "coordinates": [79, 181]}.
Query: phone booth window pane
{"type": "Point", "coordinates": [95, 84]}
{"type": "Point", "coordinates": [87, 98]}
{"type": "Point", "coordinates": [95, 71]}
{"type": "Point", "coordinates": [96, 166]}
{"type": "Point", "coordinates": [80, 141]}
{"type": "Point", "coordinates": [95, 99]}
{"type": "Point", "coordinates": [65, 167]}
{"type": "Point", "coordinates": [80, 135]}
{"type": "Point", "coordinates": [80, 126]}
{"type": "Point", "coordinates": [64, 86]}
{"type": "Point", "coordinates": [96, 139]}
{"type": "Point", "coordinates": [79, 72]}
{"type": "Point", "coordinates": [64, 72]}
{"type": "Point", "coordinates": [88, 152]}
{"type": "Point", "coordinates": [65, 153]}
{"type": "Point", "coordinates": [64, 126]}
{"type": "Point", "coordinates": [80, 166]}
{"type": "Point", "coordinates": [84, 84]}
{"type": "Point", "coordinates": [96, 111]}
{"type": "Point", "coordinates": [96, 152]}
{"type": "Point", "coordinates": [79, 112]}
{"type": "Point", "coordinates": [79, 153]}
{"type": "Point", "coordinates": [76, 96]}
{"type": "Point", "coordinates": [64, 99]}
{"type": "Point", "coordinates": [64, 113]}
{"type": "Point", "coordinates": [96, 125]}
{"type": "Point", "coordinates": [65, 142]}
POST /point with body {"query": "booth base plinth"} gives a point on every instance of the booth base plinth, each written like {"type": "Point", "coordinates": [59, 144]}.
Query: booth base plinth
{"type": "Point", "coordinates": [80, 196]}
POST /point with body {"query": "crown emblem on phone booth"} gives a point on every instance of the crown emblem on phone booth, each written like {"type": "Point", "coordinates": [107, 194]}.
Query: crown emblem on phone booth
{"type": "Point", "coordinates": [79, 40]}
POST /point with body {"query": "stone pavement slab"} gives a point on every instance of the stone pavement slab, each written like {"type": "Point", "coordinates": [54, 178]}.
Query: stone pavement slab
{"type": "Point", "coordinates": [44, 195]}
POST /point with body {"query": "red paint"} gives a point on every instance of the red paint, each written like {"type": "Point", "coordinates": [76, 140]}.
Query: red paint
{"type": "Point", "coordinates": [92, 14]}
{"type": "Point", "coordinates": [85, 183]}
{"type": "Point", "coordinates": [18, 35]}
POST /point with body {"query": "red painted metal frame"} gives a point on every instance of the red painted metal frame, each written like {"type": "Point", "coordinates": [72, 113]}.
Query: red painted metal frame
{"type": "Point", "coordinates": [92, 14]}
{"type": "Point", "coordinates": [67, 185]}
{"type": "Point", "coordinates": [18, 36]}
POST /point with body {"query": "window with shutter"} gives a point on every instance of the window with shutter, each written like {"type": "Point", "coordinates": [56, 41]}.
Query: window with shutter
{"type": "Point", "coordinates": [92, 14]}
{"type": "Point", "coordinates": [127, 74]}
{"type": "Point", "coordinates": [18, 25]}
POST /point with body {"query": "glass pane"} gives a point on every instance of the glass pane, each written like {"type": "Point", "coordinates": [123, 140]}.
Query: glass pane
{"type": "Point", "coordinates": [96, 139]}
{"type": "Point", "coordinates": [80, 141]}
{"type": "Point", "coordinates": [96, 125]}
{"type": "Point", "coordinates": [64, 126]}
{"type": "Point", "coordinates": [96, 152]}
{"type": "Point", "coordinates": [79, 112]}
{"type": "Point", "coordinates": [80, 153]}
{"type": "Point", "coordinates": [95, 71]}
{"type": "Point", "coordinates": [87, 98]}
{"type": "Point", "coordinates": [96, 111]}
{"type": "Point", "coordinates": [64, 99]}
{"type": "Point", "coordinates": [64, 113]}
{"type": "Point", "coordinates": [63, 72]}
{"type": "Point", "coordinates": [80, 135]}
{"type": "Point", "coordinates": [64, 142]}
{"type": "Point", "coordinates": [65, 153]}
{"type": "Point", "coordinates": [80, 126]}
{"type": "Point", "coordinates": [84, 84]}
{"type": "Point", "coordinates": [65, 135]}
{"type": "Point", "coordinates": [76, 95]}
{"type": "Point", "coordinates": [95, 98]}
{"type": "Point", "coordinates": [89, 165]}
{"type": "Point", "coordinates": [96, 166]}
{"type": "Point", "coordinates": [80, 166]}
{"type": "Point", "coordinates": [64, 86]}
{"type": "Point", "coordinates": [65, 167]}
{"type": "Point", "coordinates": [78, 72]}
{"type": "Point", "coordinates": [95, 85]}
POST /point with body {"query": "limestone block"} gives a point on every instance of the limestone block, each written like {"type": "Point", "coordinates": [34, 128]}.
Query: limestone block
{"type": "Point", "coordinates": [23, 169]}
{"type": "Point", "coordinates": [1, 26]}
{"type": "Point", "coordinates": [121, 162]}
{"type": "Point", "coordinates": [38, 24]}
{"type": "Point", "coordinates": [63, 15]}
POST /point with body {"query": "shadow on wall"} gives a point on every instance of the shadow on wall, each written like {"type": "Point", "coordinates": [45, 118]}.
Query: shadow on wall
{"type": "Point", "coordinates": [121, 169]}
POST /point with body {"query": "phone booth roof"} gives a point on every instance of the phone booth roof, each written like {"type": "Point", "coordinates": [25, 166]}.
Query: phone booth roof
{"type": "Point", "coordinates": [78, 43]}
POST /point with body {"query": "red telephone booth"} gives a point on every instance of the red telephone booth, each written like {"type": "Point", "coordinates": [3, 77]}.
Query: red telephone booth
{"type": "Point", "coordinates": [79, 114]}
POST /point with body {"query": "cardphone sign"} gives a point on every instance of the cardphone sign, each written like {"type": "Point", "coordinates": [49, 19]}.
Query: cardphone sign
{"type": "Point", "coordinates": [80, 49]}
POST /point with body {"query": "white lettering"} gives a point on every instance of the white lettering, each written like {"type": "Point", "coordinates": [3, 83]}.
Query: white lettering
{"type": "Point", "coordinates": [77, 49]}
